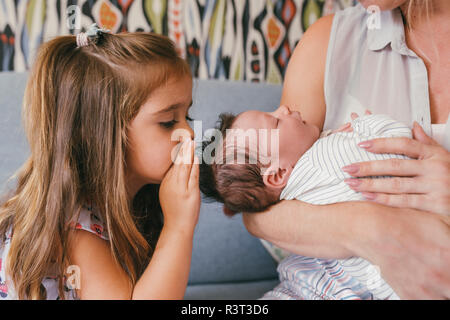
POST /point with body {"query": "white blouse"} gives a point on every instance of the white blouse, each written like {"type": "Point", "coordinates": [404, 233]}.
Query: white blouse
{"type": "Point", "coordinates": [438, 132]}
{"type": "Point", "coordinates": [374, 69]}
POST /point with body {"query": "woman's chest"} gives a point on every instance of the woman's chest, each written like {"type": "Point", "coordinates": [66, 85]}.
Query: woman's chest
{"type": "Point", "coordinates": [439, 78]}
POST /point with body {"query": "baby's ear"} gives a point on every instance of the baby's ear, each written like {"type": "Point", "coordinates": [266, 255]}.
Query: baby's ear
{"type": "Point", "coordinates": [276, 178]}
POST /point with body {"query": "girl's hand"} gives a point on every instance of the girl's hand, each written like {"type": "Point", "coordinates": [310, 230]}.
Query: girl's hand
{"type": "Point", "coordinates": [179, 193]}
{"type": "Point", "coordinates": [422, 184]}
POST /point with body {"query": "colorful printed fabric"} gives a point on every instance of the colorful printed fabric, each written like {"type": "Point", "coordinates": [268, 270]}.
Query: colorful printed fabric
{"type": "Point", "coordinates": [250, 40]}
{"type": "Point", "coordinates": [88, 220]}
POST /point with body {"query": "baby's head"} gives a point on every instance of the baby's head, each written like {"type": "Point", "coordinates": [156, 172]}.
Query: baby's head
{"type": "Point", "coordinates": [254, 158]}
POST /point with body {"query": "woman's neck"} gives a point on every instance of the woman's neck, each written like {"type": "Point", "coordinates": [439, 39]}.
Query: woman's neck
{"type": "Point", "coordinates": [438, 15]}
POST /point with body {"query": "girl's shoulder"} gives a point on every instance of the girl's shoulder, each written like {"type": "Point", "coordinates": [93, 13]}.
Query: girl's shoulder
{"type": "Point", "coordinates": [4, 248]}
{"type": "Point", "coordinates": [90, 220]}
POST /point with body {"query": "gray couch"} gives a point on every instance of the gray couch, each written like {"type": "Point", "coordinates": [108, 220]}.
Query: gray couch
{"type": "Point", "coordinates": [227, 262]}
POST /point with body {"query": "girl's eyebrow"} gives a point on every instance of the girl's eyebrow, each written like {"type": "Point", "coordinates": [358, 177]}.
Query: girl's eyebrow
{"type": "Point", "coordinates": [171, 108]}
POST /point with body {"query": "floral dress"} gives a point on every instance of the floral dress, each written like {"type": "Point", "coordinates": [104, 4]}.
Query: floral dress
{"type": "Point", "coordinates": [88, 220]}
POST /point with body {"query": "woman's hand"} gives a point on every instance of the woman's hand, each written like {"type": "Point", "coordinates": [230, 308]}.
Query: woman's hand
{"type": "Point", "coordinates": [411, 248]}
{"type": "Point", "coordinates": [179, 193]}
{"type": "Point", "coordinates": [422, 184]}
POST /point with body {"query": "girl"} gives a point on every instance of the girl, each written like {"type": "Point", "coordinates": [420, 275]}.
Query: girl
{"type": "Point", "coordinates": [100, 211]}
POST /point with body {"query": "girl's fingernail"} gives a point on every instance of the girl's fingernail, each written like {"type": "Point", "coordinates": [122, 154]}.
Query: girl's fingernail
{"type": "Point", "coordinates": [353, 168]}
{"type": "Point", "coordinates": [369, 196]}
{"type": "Point", "coordinates": [353, 182]}
{"type": "Point", "coordinates": [365, 144]}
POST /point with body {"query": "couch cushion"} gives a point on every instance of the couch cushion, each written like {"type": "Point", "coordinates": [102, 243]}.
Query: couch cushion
{"type": "Point", "coordinates": [230, 291]}
{"type": "Point", "coordinates": [13, 145]}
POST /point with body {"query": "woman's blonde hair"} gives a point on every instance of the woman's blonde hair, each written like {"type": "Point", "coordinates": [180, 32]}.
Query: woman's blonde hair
{"type": "Point", "coordinates": [420, 9]}
{"type": "Point", "coordinates": [413, 7]}
{"type": "Point", "coordinates": [77, 106]}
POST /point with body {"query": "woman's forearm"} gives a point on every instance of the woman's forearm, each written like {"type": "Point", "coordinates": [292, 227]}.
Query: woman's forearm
{"type": "Point", "coordinates": [167, 274]}
{"type": "Point", "coordinates": [322, 231]}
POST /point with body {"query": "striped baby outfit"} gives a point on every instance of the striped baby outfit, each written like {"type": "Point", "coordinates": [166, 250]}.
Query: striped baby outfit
{"type": "Point", "coordinates": [318, 179]}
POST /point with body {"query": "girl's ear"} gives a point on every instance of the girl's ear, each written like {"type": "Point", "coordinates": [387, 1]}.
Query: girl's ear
{"type": "Point", "coordinates": [276, 178]}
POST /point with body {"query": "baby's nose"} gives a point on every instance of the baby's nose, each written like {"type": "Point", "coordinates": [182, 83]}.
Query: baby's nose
{"type": "Point", "coordinates": [284, 110]}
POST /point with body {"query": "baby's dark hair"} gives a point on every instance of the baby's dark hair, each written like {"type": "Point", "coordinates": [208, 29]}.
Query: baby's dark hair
{"type": "Point", "coordinates": [240, 187]}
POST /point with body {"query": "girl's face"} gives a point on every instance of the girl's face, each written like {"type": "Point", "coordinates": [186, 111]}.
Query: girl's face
{"type": "Point", "coordinates": [151, 134]}
{"type": "Point", "coordinates": [383, 4]}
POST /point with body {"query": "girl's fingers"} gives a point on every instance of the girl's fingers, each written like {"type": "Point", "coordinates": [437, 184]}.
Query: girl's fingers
{"type": "Point", "coordinates": [368, 112]}
{"type": "Point", "coordinates": [354, 115]}
{"type": "Point", "coordinates": [195, 173]}
{"type": "Point", "coordinates": [405, 146]}
{"type": "Point", "coordinates": [390, 167]}
{"type": "Point", "coordinates": [394, 185]}
{"type": "Point", "coordinates": [186, 159]}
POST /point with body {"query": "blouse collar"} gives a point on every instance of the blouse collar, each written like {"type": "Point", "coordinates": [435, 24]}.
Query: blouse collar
{"type": "Point", "coordinates": [391, 31]}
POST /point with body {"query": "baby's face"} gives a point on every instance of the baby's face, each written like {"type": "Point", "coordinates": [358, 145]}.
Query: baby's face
{"type": "Point", "coordinates": [295, 135]}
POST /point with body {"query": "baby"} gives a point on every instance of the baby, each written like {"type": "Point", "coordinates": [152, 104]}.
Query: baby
{"type": "Point", "coordinates": [301, 164]}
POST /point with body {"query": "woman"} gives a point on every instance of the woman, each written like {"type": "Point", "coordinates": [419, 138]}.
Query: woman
{"type": "Point", "coordinates": [106, 205]}
{"type": "Point", "coordinates": [390, 69]}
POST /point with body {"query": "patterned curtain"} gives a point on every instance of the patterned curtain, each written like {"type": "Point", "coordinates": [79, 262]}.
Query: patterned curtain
{"type": "Point", "coordinates": [248, 40]}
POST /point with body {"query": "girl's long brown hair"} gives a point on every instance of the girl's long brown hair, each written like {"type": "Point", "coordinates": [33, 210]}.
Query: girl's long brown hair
{"type": "Point", "coordinates": [77, 105]}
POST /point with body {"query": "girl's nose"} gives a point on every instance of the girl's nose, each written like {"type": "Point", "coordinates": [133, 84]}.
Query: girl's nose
{"type": "Point", "coordinates": [189, 129]}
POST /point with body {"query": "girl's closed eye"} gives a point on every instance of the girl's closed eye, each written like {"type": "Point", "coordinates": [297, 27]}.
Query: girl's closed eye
{"type": "Point", "coordinates": [168, 124]}
{"type": "Point", "coordinates": [171, 123]}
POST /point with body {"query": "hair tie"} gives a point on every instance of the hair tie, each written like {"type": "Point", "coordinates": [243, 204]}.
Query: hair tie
{"type": "Point", "coordinates": [93, 32]}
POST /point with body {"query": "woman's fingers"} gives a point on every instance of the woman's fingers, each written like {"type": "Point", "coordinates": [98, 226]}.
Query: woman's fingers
{"type": "Point", "coordinates": [397, 200]}
{"type": "Point", "coordinates": [405, 146]}
{"type": "Point", "coordinates": [421, 136]}
{"type": "Point", "coordinates": [423, 202]}
{"type": "Point", "coordinates": [390, 185]}
{"type": "Point", "coordinates": [390, 167]}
